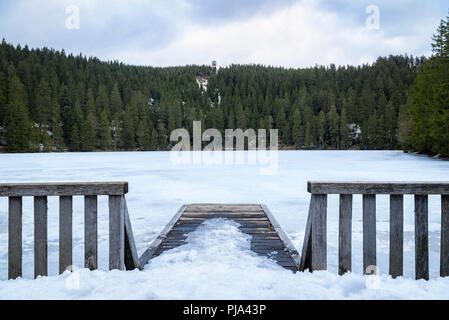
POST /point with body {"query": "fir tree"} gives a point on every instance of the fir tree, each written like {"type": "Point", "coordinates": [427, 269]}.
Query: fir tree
{"type": "Point", "coordinates": [17, 119]}
{"type": "Point", "coordinates": [297, 129]}
{"type": "Point", "coordinates": [105, 131]}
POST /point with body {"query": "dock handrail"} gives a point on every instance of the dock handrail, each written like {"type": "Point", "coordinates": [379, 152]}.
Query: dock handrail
{"type": "Point", "coordinates": [122, 250]}
{"type": "Point", "coordinates": [314, 254]}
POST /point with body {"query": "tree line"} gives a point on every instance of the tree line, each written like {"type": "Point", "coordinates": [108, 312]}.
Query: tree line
{"type": "Point", "coordinates": [53, 101]}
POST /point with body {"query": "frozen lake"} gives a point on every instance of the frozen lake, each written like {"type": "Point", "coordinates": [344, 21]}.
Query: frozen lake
{"type": "Point", "coordinates": [158, 187]}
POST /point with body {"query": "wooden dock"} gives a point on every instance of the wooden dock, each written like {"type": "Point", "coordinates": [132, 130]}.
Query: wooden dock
{"type": "Point", "coordinates": [267, 237]}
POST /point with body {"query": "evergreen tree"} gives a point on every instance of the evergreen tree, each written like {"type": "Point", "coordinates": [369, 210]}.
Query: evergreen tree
{"type": "Point", "coordinates": [75, 140]}
{"type": "Point", "coordinates": [297, 129]}
{"type": "Point", "coordinates": [344, 134]}
{"type": "Point", "coordinates": [87, 134]}
{"type": "Point", "coordinates": [17, 119]}
{"type": "Point", "coordinates": [333, 120]}
{"type": "Point", "coordinates": [3, 97]}
{"type": "Point", "coordinates": [162, 136]}
{"type": "Point", "coordinates": [116, 100]}
{"type": "Point", "coordinates": [144, 136]}
{"type": "Point", "coordinates": [427, 111]}
{"type": "Point", "coordinates": [105, 131]}
{"type": "Point", "coordinates": [440, 45]}
{"type": "Point", "coordinates": [129, 141]}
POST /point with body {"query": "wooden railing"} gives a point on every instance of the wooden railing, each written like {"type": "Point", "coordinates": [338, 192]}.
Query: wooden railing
{"type": "Point", "coordinates": [314, 255]}
{"type": "Point", "coordinates": [122, 250]}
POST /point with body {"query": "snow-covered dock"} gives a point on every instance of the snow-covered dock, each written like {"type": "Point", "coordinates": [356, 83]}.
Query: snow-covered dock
{"type": "Point", "coordinates": [267, 237]}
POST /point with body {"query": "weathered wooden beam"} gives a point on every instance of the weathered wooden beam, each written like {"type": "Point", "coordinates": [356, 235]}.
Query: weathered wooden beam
{"type": "Point", "coordinates": [345, 235]}
{"type": "Point", "coordinates": [63, 189]}
{"type": "Point", "coordinates": [15, 237]}
{"type": "Point", "coordinates": [131, 256]}
{"type": "Point", "coordinates": [154, 246]}
{"type": "Point", "coordinates": [421, 237]}
{"type": "Point", "coordinates": [65, 232]}
{"type": "Point", "coordinates": [40, 236]}
{"type": "Point", "coordinates": [444, 260]}
{"type": "Point", "coordinates": [369, 233]}
{"type": "Point", "coordinates": [91, 232]}
{"type": "Point", "coordinates": [319, 233]}
{"type": "Point", "coordinates": [225, 208]}
{"type": "Point", "coordinates": [370, 188]}
{"type": "Point", "coordinates": [396, 235]}
{"type": "Point", "coordinates": [306, 254]}
{"type": "Point", "coordinates": [285, 241]}
{"type": "Point", "coordinates": [116, 232]}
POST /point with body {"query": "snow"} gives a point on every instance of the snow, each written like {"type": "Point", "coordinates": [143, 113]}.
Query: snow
{"type": "Point", "coordinates": [217, 263]}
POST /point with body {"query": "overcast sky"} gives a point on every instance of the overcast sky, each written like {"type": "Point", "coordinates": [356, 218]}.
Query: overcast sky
{"type": "Point", "coordinates": [178, 32]}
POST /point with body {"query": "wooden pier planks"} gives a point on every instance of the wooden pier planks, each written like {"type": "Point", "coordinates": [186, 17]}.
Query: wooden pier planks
{"type": "Point", "coordinates": [267, 237]}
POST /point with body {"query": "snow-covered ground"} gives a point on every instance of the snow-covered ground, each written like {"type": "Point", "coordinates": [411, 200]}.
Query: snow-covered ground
{"type": "Point", "coordinates": [216, 263]}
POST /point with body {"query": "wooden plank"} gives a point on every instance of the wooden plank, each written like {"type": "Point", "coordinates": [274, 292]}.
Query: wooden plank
{"type": "Point", "coordinates": [319, 233]}
{"type": "Point", "coordinates": [131, 257]}
{"type": "Point", "coordinates": [396, 235]}
{"type": "Point", "coordinates": [225, 208]}
{"type": "Point", "coordinates": [14, 237]}
{"type": "Point", "coordinates": [444, 255]}
{"type": "Point", "coordinates": [371, 188]}
{"type": "Point", "coordinates": [63, 189]}
{"type": "Point", "coordinates": [306, 255]}
{"type": "Point", "coordinates": [267, 239]}
{"type": "Point", "coordinates": [224, 215]}
{"type": "Point", "coordinates": [237, 218]}
{"type": "Point", "coordinates": [254, 230]}
{"type": "Point", "coordinates": [91, 232]}
{"type": "Point", "coordinates": [116, 232]}
{"type": "Point", "coordinates": [284, 239]}
{"type": "Point", "coordinates": [65, 233]}
{"type": "Point", "coordinates": [149, 253]}
{"type": "Point", "coordinates": [369, 233]}
{"type": "Point", "coordinates": [345, 235]}
{"type": "Point", "coordinates": [421, 237]}
{"type": "Point", "coordinates": [274, 254]}
{"type": "Point", "coordinates": [243, 224]}
{"type": "Point", "coordinates": [40, 236]}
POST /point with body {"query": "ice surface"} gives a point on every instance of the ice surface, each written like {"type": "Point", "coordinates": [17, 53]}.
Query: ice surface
{"type": "Point", "coordinates": [217, 263]}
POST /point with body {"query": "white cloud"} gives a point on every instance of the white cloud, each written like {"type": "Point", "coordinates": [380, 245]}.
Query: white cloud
{"type": "Point", "coordinates": [171, 32]}
{"type": "Point", "coordinates": [300, 35]}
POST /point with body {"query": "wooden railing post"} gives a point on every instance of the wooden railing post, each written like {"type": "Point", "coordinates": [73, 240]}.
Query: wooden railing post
{"type": "Point", "coordinates": [131, 256]}
{"type": "Point", "coordinates": [444, 251]}
{"type": "Point", "coordinates": [345, 234]}
{"type": "Point", "coordinates": [40, 236]}
{"type": "Point", "coordinates": [396, 235]}
{"type": "Point", "coordinates": [369, 233]}
{"type": "Point", "coordinates": [421, 237]}
{"type": "Point", "coordinates": [319, 233]}
{"type": "Point", "coordinates": [90, 232]}
{"type": "Point", "coordinates": [306, 255]}
{"type": "Point", "coordinates": [15, 237]}
{"type": "Point", "coordinates": [116, 232]}
{"type": "Point", "coordinates": [65, 232]}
